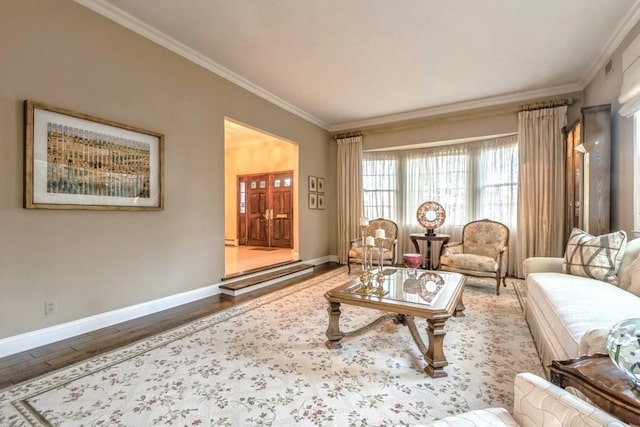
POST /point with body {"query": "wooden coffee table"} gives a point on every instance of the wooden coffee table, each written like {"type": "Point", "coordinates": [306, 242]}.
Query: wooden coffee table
{"type": "Point", "coordinates": [406, 299]}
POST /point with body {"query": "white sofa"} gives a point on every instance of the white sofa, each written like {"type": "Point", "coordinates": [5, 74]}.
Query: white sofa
{"type": "Point", "coordinates": [536, 403]}
{"type": "Point", "coordinates": [570, 316]}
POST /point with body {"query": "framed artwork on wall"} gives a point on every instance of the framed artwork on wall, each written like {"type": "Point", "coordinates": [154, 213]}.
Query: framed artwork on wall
{"type": "Point", "coordinates": [313, 183]}
{"type": "Point", "coordinates": [320, 201]}
{"type": "Point", "coordinates": [313, 201]}
{"type": "Point", "coordinates": [77, 161]}
{"type": "Point", "coordinates": [320, 185]}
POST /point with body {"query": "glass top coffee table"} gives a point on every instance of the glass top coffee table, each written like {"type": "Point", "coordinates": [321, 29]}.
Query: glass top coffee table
{"type": "Point", "coordinates": [434, 296]}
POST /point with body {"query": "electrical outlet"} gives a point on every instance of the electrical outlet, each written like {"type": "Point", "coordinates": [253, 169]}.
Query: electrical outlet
{"type": "Point", "coordinates": [50, 307]}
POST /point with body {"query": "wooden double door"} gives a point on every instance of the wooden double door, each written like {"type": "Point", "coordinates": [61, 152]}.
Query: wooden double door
{"type": "Point", "coordinates": [265, 211]}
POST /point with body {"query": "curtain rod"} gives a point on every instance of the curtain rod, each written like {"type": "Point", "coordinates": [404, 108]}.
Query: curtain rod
{"type": "Point", "coordinates": [346, 135]}
{"type": "Point", "coordinates": [547, 104]}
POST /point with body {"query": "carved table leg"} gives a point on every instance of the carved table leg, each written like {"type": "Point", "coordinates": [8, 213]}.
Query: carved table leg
{"type": "Point", "coordinates": [333, 331]}
{"type": "Point", "coordinates": [459, 309]}
{"type": "Point", "coordinates": [435, 353]}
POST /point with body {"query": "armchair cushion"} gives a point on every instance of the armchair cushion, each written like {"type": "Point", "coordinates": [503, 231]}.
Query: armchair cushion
{"type": "Point", "coordinates": [470, 262]}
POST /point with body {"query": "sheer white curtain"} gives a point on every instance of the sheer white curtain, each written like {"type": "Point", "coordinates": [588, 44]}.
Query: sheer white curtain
{"type": "Point", "coordinates": [471, 181]}
{"type": "Point", "coordinates": [349, 193]}
{"type": "Point", "coordinates": [541, 190]}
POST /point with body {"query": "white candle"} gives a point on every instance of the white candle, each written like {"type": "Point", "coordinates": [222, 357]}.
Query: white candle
{"type": "Point", "coordinates": [364, 221]}
{"type": "Point", "coordinates": [370, 241]}
{"type": "Point", "coordinates": [380, 233]}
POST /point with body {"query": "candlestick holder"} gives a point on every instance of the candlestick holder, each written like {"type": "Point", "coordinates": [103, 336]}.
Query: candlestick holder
{"type": "Point", "coordinates": [370, 273]}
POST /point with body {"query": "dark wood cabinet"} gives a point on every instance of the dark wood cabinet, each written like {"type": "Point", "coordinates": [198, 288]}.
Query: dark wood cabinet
{"type": "Point", "coordinates": [588, 171]}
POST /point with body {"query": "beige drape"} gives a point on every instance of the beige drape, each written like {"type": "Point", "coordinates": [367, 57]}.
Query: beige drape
{"type": "Point", "coordinates": [349, 193]}
{"type": "Point", "coordinates": [541, 186]}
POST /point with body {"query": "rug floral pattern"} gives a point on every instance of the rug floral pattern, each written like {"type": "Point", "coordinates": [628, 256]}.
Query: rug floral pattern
{"type": "Point", "coordinates": [264, 363]}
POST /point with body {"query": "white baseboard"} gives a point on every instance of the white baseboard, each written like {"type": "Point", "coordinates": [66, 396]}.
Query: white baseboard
{"type": "Point", "coordinates": [231, 242]}
{"type": "Point", "coordinates": [40, 337]}
{"type": "Point", "coordinates": [322, 260]}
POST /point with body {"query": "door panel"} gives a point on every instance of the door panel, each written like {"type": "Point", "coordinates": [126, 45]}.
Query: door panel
{"type": "Point", "coordinates": [282, 205]}
{"type": "Point", "coordinates": [257, 196]}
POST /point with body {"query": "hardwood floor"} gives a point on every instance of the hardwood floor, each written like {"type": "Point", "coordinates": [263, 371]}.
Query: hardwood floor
{"type": "Point", "coordinates": [32, 363]}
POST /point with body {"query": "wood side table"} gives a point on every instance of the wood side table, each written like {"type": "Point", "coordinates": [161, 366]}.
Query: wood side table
{"type": "Point", "coordinates": [605, 385]}
{"type": "Point", "coordinates": [426, 254]}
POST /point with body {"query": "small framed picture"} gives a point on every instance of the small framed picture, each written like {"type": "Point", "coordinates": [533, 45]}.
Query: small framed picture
{"type": "Point", "coordinates": [313, 201]}
{"type": "Point", "coordinates": [320, 201]}
{"type": "Point", "coordinates": [320, 185]}
{"type": "Point", "coordinates": [313, 184]}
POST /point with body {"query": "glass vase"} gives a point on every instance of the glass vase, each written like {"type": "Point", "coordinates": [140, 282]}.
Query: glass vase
{"type": "Point", "coordinates": [623, 346]}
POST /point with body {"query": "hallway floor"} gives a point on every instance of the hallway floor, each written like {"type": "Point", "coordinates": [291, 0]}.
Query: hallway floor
{"type": "Point", "coordinates": [239, 259]}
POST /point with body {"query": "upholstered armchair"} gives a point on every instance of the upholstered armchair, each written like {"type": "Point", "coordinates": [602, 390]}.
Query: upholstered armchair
{"type": "Point", "coordinates": [483, 251]}
{"type": "Point", "coordinates": [536, 403]}
{"type": "Point", "coordinates": [389, 250]}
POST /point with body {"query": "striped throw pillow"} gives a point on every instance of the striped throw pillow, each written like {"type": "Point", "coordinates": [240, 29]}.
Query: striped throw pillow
{"type": "Point", "coordinates": [598, 257]}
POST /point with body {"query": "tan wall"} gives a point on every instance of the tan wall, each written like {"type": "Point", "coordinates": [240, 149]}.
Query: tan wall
{"type": "Point", "coordinates": [252, 158]}
{"type": "Point", "coordinates": [605, 90]}
{"type": "Point", "coordinates": [59, 53]}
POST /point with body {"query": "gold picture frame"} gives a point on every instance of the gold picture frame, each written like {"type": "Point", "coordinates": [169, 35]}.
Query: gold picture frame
{"type": "Point", "coordinates": [78, 161]}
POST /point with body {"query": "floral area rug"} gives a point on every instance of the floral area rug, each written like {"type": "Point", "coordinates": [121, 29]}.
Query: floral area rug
{"type": "Point", "coordinates": [264, 363]}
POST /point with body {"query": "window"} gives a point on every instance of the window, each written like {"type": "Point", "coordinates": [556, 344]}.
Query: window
{"type": "Point", "coordinates": [380, 185]}
{"type": "Point", "coordinates": [471, 181]}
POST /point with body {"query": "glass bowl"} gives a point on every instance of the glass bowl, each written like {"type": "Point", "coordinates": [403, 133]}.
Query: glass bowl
{"type": "Point", "coordinates": [412, 261]}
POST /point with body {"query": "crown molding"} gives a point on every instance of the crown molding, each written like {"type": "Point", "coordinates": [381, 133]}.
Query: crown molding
{"type": "Point", "coordinates": [109, 11]}
{"type": "Point", "coordinates": [623, 29]}
{"type": "Point", "coordinates": [119, 16]}
{"type": "Point", "coordinates": [457, 107]}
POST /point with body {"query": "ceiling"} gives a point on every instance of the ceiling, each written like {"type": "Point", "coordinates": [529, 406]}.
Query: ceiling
{"type": "Point", "coordinates": [344, 64]}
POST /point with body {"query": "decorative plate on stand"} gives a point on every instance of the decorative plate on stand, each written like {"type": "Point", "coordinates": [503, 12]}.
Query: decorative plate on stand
{"type": "Point", "coordinates": [431, 215]}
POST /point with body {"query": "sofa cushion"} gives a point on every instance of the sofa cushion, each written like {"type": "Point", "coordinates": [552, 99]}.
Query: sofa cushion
{"type": "Point", "coordinates": [630, 278]}
{"type": "Point", "coordinates": [598, 257]}
{"type": "Point", "coordinates": [631, 252]}
{"type": "Point", "coordinates": [570, 305]}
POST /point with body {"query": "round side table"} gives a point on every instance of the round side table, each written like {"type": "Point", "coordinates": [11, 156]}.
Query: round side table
{"type": "Point", "coordinates": [426, 254]}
